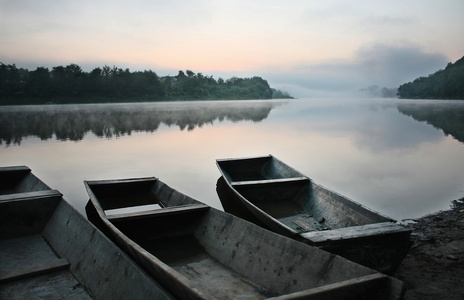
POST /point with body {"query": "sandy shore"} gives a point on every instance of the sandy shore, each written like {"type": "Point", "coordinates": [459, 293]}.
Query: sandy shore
{"type": "Point", "coordinates": [434, 267]}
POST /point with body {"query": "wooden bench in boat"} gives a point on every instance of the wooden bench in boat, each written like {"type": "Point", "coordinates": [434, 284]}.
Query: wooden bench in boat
{"type": "Point", "coordinates": [34, 270]}
{"type": "Point", "coordinates": [30, 262]}
{"type": "Point", "coordinates": [353, 232]}
{"type": "Point", "coordinates": [30, 196]}
{"type": "Point", "coordinates": [154, 212]}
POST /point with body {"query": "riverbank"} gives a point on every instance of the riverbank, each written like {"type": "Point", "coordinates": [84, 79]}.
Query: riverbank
{"type": "Point", "coordinates": [434, 266]}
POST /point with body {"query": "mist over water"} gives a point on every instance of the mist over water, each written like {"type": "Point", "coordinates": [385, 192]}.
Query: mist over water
{"type": "Point", "coordinates": [401, 158]}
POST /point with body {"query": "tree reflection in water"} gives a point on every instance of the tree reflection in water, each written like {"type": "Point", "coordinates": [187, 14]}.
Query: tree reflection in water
{"type": "Point", "coordinates": [73, 122]}
{"type": "Point", "coordinates": [447, 116]}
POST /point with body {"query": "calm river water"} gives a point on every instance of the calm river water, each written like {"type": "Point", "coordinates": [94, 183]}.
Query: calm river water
{"type": "Point", "coordinates": [401, 158]}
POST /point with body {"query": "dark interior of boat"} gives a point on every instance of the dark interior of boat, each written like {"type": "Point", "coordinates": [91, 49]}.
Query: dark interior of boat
{"type": "Point", "coordinates": [19, 180]}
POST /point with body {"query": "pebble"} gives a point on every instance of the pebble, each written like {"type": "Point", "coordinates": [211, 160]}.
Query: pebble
{"type": "Point", "coordinates": [452, 257]}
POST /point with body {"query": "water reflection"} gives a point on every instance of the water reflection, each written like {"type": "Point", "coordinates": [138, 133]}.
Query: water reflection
{"type": "Point", "coordinates": [447, 116]}
{"type": "Point", "coordinates": [372, 125]}
{"type": "Point", "coordinates": [73, 122]}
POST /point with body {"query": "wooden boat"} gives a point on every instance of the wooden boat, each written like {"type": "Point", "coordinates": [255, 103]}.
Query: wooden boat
{"type": "Point", "coordinates": [198, 252]}
{"type": "Point", "coordinates": [270, 193]}
{"type": "Point", "coordinates": [50, 251]}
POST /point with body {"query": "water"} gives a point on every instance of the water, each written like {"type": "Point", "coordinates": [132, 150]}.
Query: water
{"type": "Point", "coordinates": [390, 155]}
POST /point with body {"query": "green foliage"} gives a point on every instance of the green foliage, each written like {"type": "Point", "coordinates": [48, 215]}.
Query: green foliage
{"type": "Point", "coordinates": [443, 84]}
{"type": "Point", "coordinates": [70, 84]}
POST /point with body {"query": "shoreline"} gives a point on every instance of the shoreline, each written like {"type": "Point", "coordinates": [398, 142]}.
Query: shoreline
{"type": "Point", "coordinates": [434, 266]}
{"type": "Point", "coordinates": [75, 101]}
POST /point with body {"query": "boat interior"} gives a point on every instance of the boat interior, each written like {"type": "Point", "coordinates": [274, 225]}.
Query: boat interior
{"type": "Point", "coordinates": [175, 237]}
{"type": "Point", "coordinates": [29, 263]}
{"type": "Point", "coordinates": [292, 198]}
{"type": "Point", "coordinates": [19, 180]}
{"type": "Point", "coordinates": [172, 232]}
{"type": "Point", "coordinates": [48, 250]}
{"type": "Point", "coordinates": [289, 202]}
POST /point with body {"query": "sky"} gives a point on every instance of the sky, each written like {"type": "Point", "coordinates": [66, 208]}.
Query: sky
{"type": "Point", "coordinates": [305, 47]}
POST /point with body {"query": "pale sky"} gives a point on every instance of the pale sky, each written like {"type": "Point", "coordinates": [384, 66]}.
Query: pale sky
{"type": "Point", "coordinates": [307, 48]}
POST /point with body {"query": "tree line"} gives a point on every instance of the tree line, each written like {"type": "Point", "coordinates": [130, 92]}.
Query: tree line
{"type": "Point", "coordinates": [443, 84]}
{"type": "Point", "coordinates": [70, 84]}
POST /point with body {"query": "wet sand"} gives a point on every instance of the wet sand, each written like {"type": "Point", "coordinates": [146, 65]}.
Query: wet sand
{"type": "Point", "coordinates": [434, 266]}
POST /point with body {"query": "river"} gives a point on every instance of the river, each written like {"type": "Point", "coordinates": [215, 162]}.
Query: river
{"type": "Point", "coordinates": [402, 158]}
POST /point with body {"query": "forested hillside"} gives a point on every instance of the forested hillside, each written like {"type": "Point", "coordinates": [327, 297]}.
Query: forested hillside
{"type": "Point", "coordinates": [70, 84]}
{"type": "Point", "coordinates": [444, 84]}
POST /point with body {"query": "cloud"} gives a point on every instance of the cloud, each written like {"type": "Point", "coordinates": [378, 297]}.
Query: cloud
{"type": "Point", "coordinates": [393, 66]}
{"type": "Point", "coordinates": [377, 64]}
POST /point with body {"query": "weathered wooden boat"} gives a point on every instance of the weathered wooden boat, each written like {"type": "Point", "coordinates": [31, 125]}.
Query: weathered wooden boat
{"type": "Point", "coordinates": [50, 251]}
{"type": "Point", "coordinates": [268, 192]}
{"type": "Point", "coordinates": [198, 252]}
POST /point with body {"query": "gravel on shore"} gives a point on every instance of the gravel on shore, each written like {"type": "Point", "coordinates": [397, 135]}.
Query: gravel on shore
{"type": "Point", "coordinates": [434, 266]}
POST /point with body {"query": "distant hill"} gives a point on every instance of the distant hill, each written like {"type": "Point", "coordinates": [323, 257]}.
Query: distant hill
{"type": "Point", "coordinates": [443, 84]}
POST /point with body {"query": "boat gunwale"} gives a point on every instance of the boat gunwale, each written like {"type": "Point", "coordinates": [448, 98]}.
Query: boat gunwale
{"type": "Point", "coordinates": [320, 292]}
{"type": "Point", "coordinates": [15, 169]}
{"type": "Point", "coordinates": [120, 181]}
{"type": "Point", "coordinates": [269, 181]}
{"type": "Point", "coordinates": [221, 160]}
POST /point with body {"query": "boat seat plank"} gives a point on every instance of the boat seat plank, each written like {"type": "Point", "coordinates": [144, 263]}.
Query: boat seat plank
{"type": "Point", "coordinates": [34, 270]}
{"type": "Point", "coordinates": [337, 290]}
{"type": "Point", "coordinates": [54, 285]}
{"type": "Point", "coordinates": [154, 212]}
{"type": "Point", "coordinates": [354, 232]}
{"type": "Point", "coordinates": [303, 225]}
{"type": "Point", "coordinates": [30, 195]}
{"type": "Point", "coordinates": [268, 181]}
